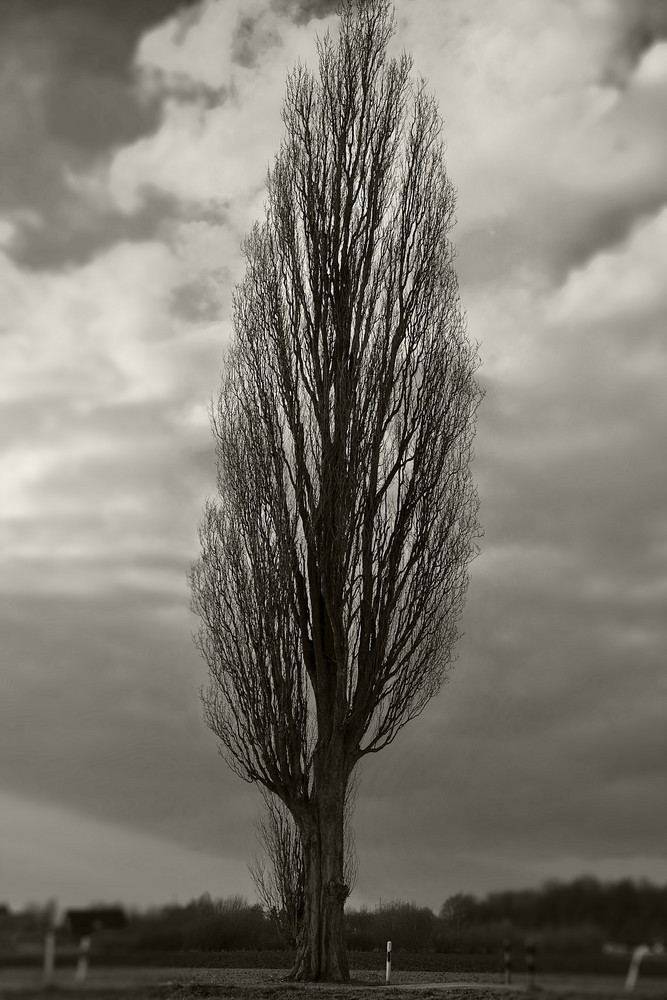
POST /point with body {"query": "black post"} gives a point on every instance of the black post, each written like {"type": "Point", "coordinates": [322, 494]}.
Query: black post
{"type": "Point", "coordinates": [507, 960]}
{"type": "Point", "coordinates": [530, 963]}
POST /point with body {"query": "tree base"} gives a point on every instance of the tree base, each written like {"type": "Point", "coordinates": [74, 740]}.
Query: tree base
{"type": "Point", "coordinates": [303, 973]}
{"type": "Point", "coordinates": [309, 967]}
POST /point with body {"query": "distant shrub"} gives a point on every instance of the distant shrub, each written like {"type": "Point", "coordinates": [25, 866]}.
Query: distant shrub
{"type": "Point", "coordinates": [227, 924]}
{"type": "Point", "coordinates": [577, 939]}
{"type": "Point", "coordinates": [206, 924]}
{"type": "Point", "coordinates": [409, 927]}
{"type": "Point", "coordinates": [486, 939]}
{"type": "Point", "coordinates": [362, 932]}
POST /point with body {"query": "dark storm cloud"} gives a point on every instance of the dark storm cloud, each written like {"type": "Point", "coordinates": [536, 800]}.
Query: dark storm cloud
{"type": "Point", "coordinates": [68, 97]}
{"type": "Point", "coordinates": [73, 732]}
{"type": "Point", "coordinates": [74, 234]}
{"type": "Point", "coordinates": [566, 618]}
{"type": "Point", "coordinates": [300, 11]}
{"type": "Point", "coordinates": [303, 11]}
{"type": "Point", "coordinates": [70, 62]}
{"type": "Point", "coordinates": [494, 253]}
{"type": "Point", "coordinates": [646, 24]}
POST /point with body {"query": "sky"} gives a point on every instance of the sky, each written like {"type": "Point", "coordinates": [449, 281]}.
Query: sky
{"type": "Point", "coordinates": [135, 139]}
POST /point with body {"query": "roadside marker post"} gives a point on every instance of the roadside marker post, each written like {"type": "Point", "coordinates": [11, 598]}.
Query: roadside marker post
{"type": "Point", "coordinates": [633, 972]}
{"type": "Point", "coordinates": [82, 964]}
{"type": "Point", "coordinates": [388, 975]}
{"type": "Point", "coordinates": [49, 958]}
{"type": "Point", "coordinates": [530, 963]}
{"type": "Point", "coordinates": [507, 960]}
{"type": "Point", "coordinates": [50, 947]}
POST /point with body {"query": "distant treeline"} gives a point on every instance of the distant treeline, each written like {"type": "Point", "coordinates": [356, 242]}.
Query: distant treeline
{"type": "Point", "coordinates": [580, 916]}
{"type": "Point", "coordinates": [581, 913]}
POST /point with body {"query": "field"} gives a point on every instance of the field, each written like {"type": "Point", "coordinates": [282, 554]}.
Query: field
{"type": "Point", "coordinates": [269, 984]}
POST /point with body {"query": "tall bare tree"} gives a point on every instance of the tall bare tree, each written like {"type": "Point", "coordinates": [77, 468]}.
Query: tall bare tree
{"type": "Point", "coordinates": [333, 565]}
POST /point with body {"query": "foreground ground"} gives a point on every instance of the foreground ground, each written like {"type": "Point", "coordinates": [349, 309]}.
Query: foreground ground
{"type": "Point", "coordinates": [269, 984]}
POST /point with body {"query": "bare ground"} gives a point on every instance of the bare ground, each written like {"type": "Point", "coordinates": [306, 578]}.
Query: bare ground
{"type": "Point", "coordinates": [270, 984]}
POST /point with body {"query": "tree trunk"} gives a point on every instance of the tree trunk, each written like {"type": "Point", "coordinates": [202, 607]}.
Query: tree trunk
{"type": "Point", "coordinates": [321, 953]}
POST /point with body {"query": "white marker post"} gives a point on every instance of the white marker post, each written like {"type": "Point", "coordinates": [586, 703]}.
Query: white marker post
{"type": "Point", "coordinates": [530, 963]}
{"type": "Point", "coordinates": [49, 957]}
{"type": "Point", "coordinates": [507, 958]}
{"type": "Point", "coordinates": [388, 975]}
{"type": "Point", "coordinates": [635, 961]}
{"type": "Point", "coordinates": [50, 947]}
{"type": "Point", "coordinates": [82, 964]}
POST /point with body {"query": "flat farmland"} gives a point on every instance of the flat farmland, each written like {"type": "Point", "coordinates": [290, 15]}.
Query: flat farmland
{"type": "Point", "coordinates": [269, 984]}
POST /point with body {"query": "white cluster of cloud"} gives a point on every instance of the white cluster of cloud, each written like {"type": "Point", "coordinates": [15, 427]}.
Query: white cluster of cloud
{"type": "Point", "coordinates": [622, 282]}
{"type": "Point", "coordinates": [519, 84]}
{"type": "Point", "coordinates": [214, 150]}
{"type": "Point", "coordinates": [652, 69]}
{"type": "Point", "coordinates": [87, 333]}
{"type": "Point", "coordinates": [95, 372]}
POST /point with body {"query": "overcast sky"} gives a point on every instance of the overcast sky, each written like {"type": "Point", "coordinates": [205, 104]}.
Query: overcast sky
{"type": "Point", "coordinates": [134, 141]}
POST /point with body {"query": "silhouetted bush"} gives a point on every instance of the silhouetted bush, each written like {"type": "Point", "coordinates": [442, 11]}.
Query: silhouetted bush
{"type": "Point", "coordinates": [226, 924]}
{"type": "Point", "coordinates": [362, 932]}
{"type": "Point", "coordinates": [483, 940]}
{"type": "Point", "coordinates": [408, 926]}
{"type": "Point", "coordinates": [205, 924]}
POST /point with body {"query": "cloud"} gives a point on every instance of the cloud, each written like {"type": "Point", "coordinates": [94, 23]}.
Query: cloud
{"type": "Point", "coordinates": [202, 49]}
{"type": "Point", "coordinates": [93, 325]}
{"type": "Point", "coordinates": [67, 97]}
{"type": "Point", "coordinates": [100, 382]}
{"type": "Point", "coordinates": [507, 87]}
{"type": "Point", "coordinates": [622, 282]}
{"type": "Point", "coordinates": [553, 155]}
{"type": "Point", "coordinates": [216, 154]}
{"type": "Point", "coordinates": [652, 69]}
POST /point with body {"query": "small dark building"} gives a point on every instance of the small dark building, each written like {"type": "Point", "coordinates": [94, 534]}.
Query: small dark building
{"type": "Point", "coordinates": [82, 923]}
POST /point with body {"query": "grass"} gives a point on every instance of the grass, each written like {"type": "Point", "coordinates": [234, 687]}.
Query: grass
{"type": "Point", "coordinates": [260, 984]}
{"type": "Point", "coordinates": [614, 966]}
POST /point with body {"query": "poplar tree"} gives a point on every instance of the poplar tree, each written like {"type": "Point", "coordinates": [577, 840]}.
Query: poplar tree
{"type": "Point", "coordinates": [334, 557]}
